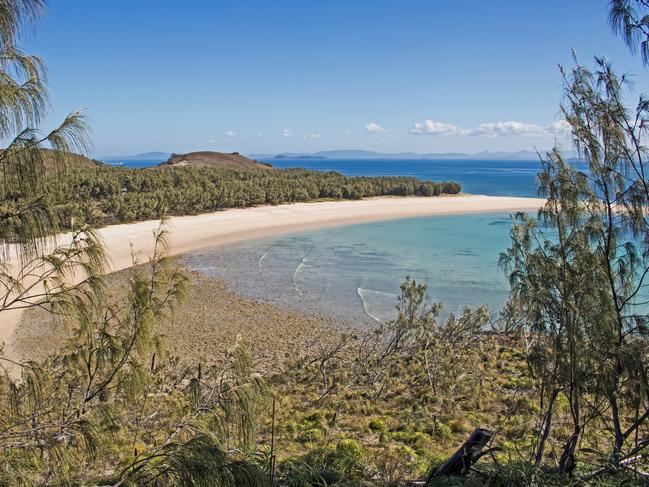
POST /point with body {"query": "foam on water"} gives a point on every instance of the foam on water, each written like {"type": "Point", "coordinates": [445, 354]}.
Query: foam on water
{"type": "Point", "coordinates": [301, 265]}
{"type": "Point", "coordinates": [261, 259]}
{"type": "Point", "coordinates": [378, 305]}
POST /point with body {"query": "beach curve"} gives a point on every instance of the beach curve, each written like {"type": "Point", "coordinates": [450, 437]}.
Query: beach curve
{"type": "Point", "coordinates": [195, 232]}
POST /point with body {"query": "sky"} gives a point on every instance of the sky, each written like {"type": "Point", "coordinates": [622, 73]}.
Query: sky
{"type": "Point", "coordinates": [261, 76]}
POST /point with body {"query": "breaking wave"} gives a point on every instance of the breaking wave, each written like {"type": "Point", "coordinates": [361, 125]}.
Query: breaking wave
{"type": "Point", "coordinates": [302, 265]}
{"type": "Point", "coordinates": [378, 305]}
{"type": "Point", "coordinates": [261, 259]}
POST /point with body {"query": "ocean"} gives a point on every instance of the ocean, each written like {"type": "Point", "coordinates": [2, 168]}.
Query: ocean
{"type": "Point", "coordinates": [135, 164]}
{"type": "Point", "coordinates": [498, 178]}
{"type": "Point", "coordinates": [355, 272]}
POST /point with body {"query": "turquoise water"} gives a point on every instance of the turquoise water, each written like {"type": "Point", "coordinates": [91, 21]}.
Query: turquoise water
{"type": "Point", "coordinates": [355, 272]}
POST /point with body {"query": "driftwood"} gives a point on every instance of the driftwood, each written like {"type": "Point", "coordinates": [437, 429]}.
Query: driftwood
{"type": "Point", "coordinates": [469, 453]}
{"type": "Point", "coordinates": [627, 463]}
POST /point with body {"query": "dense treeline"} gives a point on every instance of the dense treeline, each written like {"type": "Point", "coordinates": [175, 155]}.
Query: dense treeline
{"type": "Point", "coordinates": [105, 195]}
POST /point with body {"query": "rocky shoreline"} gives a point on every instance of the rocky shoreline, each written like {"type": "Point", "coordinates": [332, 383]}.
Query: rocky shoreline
{"type": "Point", "coordinates": [203, 327]}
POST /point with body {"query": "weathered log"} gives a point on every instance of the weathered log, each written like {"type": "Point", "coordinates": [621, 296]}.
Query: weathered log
{"type": "Point", "coordinates": [469, 453]}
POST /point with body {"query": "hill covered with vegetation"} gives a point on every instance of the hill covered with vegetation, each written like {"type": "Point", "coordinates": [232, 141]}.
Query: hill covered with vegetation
{"type": "Point", "coordinates": [52, 161]}
{"type": "Point", "coordinates": [212, 159]}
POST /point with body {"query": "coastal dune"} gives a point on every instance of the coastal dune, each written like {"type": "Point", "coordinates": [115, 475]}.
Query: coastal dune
{"type": "Point", "coordinates": [189, 233]}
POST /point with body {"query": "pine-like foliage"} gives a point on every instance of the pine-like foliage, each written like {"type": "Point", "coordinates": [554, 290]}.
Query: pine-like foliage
{"type": "Point", "coordinates": [630, 20]}
{"type": "Point", "coordinates": [110, 408]}
{"type": "Point", "coordinates": [578, 275]}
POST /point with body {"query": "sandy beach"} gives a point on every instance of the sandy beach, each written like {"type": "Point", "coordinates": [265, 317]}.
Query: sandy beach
{"type": "Point", "coordinates": [189, 233]}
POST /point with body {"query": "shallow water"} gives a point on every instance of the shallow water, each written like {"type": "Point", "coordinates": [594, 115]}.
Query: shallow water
{"type": "Point", "coordinates": [355, 272]}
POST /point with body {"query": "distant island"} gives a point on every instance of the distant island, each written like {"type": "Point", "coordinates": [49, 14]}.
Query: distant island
{"type": "Point", "coordinates": [232, 160]}
{"type": "Point", "coordinates": [364, 154]}
{"type": "Point", "coordinates": [356, 154]}
{"type": "Point", "coordinates": [145, 156]}
{"type": "Point", "coordinates": [293, 156]}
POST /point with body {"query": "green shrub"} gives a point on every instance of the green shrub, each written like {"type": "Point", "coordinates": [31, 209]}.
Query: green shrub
{"type": "Point", "coordinates": [417, 439]}
{"type": "Point", "coordinates": [378, 425]}
{"type": "Point", "coordinates": [310, 435]}
{"type": "Point", "coordinates": [342, 465]}
{"type": "Point", "coordinates": [442, 431]}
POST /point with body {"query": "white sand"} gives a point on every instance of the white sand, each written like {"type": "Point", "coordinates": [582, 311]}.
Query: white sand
{"type": "Point", "coordinates": [189, 233]}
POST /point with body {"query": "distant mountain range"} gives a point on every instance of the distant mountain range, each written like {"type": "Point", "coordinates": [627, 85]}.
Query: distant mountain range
{"type": "Point", "coordinates": [364, 154]}
{"type": "Point", "coordinates": [352, 154]}
{"type": "Point", "coordinates": [146, 156]}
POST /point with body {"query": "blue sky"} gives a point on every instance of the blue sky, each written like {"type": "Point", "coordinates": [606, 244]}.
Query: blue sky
{"type": "Point", "coordinates": [284, 75]}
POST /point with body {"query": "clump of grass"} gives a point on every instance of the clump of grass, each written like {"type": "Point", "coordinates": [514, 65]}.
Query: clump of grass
{"type": "Point", "coordinates": [378, 425]}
